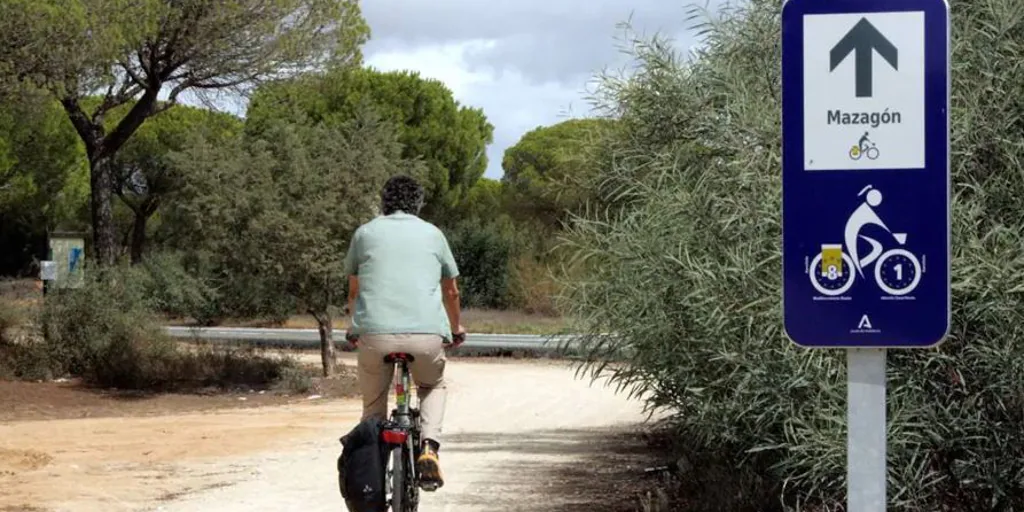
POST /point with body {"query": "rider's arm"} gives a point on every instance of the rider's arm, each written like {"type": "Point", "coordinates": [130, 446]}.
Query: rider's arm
{"type": "Point", "coordinates": [353, 292]}
{"type": "Point", "coordinates": [351, 269]}
{"type": "Point", "coordinates": [450, 296]}
{"type": "Point", "coordinates": [449, 288]}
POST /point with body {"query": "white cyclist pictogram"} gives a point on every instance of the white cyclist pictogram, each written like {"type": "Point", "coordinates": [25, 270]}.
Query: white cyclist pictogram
{"type": "Point", "coordinates": [897, 270]}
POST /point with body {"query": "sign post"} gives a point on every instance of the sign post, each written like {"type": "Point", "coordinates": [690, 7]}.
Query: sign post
{"type": "Point", "coordinates": [866, 198]}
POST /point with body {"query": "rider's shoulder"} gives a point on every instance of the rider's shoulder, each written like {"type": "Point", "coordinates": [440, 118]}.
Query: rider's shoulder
{"type": "Point", "coordinates": [363, 228]}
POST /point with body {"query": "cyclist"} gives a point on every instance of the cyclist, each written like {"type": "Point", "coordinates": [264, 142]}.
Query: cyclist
{"type": "Point", "coordinates": [862, 144]}
{"type": "Point", "coordinates": [403, 297]}
{"type": "Point", "coordinates": [862, 217]}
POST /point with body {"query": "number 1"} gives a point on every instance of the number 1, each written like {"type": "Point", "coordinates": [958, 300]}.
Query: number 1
{"type": "Point", "coordinates": [899, 272]}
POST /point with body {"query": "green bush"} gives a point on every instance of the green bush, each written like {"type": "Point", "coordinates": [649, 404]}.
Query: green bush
{"type": "Point", "coordinates": [173, 289]}
{"type": "Point", "coordinates": [687, 271]}
{"type": "Point", "coordinates": [231, 367]}
{"type": "Point", "coordinates": [295, 380]}
{"type": "Point", "coordinates": [206, 289]}
{"type": "Point", "coordinates": [20, 357]}
{"type": "Point", "coordinates": [237, 293]}
{"type": "Point", "coordinates": [24, 362]}
{"type": "Point", "coordinates": [11, 317]}
{"type": "Point", "coordinates": [106, 333]}
{"type": "Point", "coordinates": [533, 287]}
{"type": "Point", "coordinates": [482, 251]}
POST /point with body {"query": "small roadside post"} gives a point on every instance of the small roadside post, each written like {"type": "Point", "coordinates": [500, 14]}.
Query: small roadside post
{"type": "Point", "coordinates": [866, 198]}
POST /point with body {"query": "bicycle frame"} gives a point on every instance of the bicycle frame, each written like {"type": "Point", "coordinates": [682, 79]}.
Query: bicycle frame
{"type": "Point", "coordinates": [402, 434]}
{"type": "Point", "coordinates": [402, 410]}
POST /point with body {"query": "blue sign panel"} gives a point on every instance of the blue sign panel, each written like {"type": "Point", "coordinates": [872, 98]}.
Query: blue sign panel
{"type": "Point", "coordinates": [865, 167]}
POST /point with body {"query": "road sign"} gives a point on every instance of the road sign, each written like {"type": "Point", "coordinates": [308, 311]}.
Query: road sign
{"type": "Point", "coordinates": [865, 124]}
{"type": "Point", "coordinates": [67, 251]}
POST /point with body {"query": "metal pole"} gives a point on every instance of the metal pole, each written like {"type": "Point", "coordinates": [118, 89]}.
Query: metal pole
{"type": "Point", "coordinates": [49, 257]}
{"type": "Point", "coordinates": [866, 435]}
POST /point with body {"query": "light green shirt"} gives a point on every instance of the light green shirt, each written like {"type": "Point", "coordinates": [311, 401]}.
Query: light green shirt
{"type": "Point", "coordinates": [400, 260]}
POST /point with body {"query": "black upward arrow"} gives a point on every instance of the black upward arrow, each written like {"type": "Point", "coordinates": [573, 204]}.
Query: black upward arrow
{"type": "Point", "coordinates": [862, 39]}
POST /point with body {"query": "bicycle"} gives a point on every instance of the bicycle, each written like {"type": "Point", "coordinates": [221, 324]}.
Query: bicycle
{"type": "Point", "coordinates": [897, 270]}
{"type": "Point", "coordinates": [870, 150]}
{"type": "Point", "coordinates": [401, 434]}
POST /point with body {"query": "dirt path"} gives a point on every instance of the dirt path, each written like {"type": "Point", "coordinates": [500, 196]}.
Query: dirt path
{"type": "Point", "coordinates": [514, 432]}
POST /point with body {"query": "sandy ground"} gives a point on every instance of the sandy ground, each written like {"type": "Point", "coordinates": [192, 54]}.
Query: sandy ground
{"type": "Point", "coordinates": [514, 432]}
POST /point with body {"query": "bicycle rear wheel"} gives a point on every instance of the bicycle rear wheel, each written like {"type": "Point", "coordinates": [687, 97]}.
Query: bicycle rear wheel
{"type": "Point", "coordinates": [398, 479]}
{"type": "Point", "coordinates": [412, 492]}
{"type": "Point", "coordinates": [404, 493]}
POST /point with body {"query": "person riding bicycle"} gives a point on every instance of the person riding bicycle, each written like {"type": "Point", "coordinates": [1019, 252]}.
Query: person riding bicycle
{"type": "Point", "coordinates": [403, 297]}
{"type": "Point", "coordinates": [862, 144]}
{"type": "Point", "coordinates": [862, 217]}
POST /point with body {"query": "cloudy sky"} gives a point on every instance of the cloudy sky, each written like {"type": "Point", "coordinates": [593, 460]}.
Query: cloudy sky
{"type": "Point", "coordinates": [526, 63]}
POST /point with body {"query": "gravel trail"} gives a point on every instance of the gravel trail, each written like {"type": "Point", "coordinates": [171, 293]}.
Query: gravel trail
{"type": "Point", "coordinates": [507, 426]}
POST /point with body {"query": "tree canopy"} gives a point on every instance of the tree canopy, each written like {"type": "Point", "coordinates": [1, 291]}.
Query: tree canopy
{"type": "Point", "coordinates": [450, 138]}
{"type": "Point", "coordinates": [131, 52]}
{"type": "Point", "coordinates": [274, 213]}
{"type": "Point", "coordinates": [43, 178]}
{"type": "Point", "coordinates": [549, 173]}
{"type": "Point", "coordinates": [144, 173]}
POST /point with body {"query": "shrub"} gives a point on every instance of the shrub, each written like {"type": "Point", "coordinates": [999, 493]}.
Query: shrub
{"type": "Point", "coordinates": [205, 289]}
{"type": "Point", "coordinates": [173, 289]}
{"type": "Point", "coordinates": [533, 289]}
{"type": "Point", "coordinates": [20, 356]}
{"type": "Point", "coordinates": [295, 379]}
{"type": "Point", "coordinates": [107, 334]}
{"type": "Point", "coordinates": [24, 361]}
{"type": "Point", "coordinates": [686, 270]}
{"type": "Point", "coordinates": [482, 252]}
{"type": "Point", "coordinates": [11, 317]}
{"type": "Point", "coordinates": [231, 367]}
{"type": "Point", "coordinates": [105, 331]}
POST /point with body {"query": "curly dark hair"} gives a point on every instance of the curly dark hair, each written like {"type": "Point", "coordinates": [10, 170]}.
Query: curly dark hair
{"type": "Point", "coordinates": [401, 193]}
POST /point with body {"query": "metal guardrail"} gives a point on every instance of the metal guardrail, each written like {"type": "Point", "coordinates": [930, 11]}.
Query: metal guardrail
{"type": "Point", "coordinates": [310, 338]}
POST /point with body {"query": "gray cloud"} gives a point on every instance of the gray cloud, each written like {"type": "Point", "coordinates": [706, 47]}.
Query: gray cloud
{"type": "Point", "coordinates": [542, 56]}
{"type": "Point", "coordinates": [515, 110]}
{"type": "Point", "coordinates": [546, 40]}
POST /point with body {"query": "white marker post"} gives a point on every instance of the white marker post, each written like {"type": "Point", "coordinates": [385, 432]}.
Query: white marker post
{"type": "Point", "coordinates": [866, 436]}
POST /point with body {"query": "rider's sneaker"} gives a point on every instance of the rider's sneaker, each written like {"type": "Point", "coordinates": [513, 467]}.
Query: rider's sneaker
{"type": "Point", "coordinates": [429, 468]}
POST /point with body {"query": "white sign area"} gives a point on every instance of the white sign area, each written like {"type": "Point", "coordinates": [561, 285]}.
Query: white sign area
{"type": "Point", "coordinates": [864, 91]}
{"type": "Point", "coordinates": [48, 270]}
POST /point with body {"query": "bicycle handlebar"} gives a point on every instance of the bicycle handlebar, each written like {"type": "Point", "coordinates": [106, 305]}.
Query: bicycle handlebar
{"type": "Point", "coordinates": [456, 339]}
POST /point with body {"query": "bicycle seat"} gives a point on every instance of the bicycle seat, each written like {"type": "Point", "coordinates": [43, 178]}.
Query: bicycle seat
{"type": "Point", "coordinates": [399, 356]}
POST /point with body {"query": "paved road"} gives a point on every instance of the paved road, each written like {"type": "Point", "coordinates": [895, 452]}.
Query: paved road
{"type": "Point", "coordinates": [311, 337]}
{"type": "Point", "coordinates": [510, 429]}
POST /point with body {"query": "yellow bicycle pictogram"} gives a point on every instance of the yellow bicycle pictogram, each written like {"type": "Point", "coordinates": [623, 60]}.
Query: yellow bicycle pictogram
{"type": "Point", "coordinates": [864, 147]}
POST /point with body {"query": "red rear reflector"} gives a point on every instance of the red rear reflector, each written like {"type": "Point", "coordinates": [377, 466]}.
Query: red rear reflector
{"type": "Point", "coordinates": [394, 436]}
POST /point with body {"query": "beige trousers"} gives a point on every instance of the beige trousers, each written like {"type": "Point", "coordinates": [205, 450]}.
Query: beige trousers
{"type": "Point", "coordinates": [427, 369]}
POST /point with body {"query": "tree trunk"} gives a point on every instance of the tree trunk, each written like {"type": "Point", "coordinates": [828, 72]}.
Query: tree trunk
{"type": "Point", "coordinates": [139, 235]}
{"type": "Point", "coordinates": [101, 148]}
{"type": "Point", "coordinates": [103, 230]}
{"type": "Point", "coordinates": [126, 241]}
{"type": "Point", "coordinates": [324, 325]}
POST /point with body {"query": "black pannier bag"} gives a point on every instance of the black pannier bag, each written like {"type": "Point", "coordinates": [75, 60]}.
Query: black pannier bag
{"type": "Point", "coordinates": [361, 467]}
